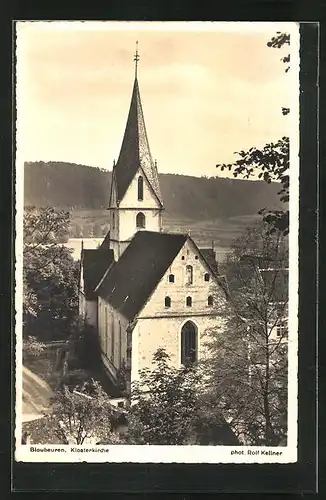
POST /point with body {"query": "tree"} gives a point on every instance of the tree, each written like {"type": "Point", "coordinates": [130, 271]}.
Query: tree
{"type": "Point", "coordinates": [122, 379]}
{"type": "Point", "coordinates": [247, 366]}
{"type": "Point", "coordinates": [50, 275]}
{"type": "Point", "coordinates": [83, 415]}
{"type": "Point", "coordinates": [78, 230]}
{"type": "Point", "coordinates": [278, 41]}
{"type": "Point", "coordinates": [97, 230]}
{"type": "Point", "coordinates": [271, 163]}
{"type": "Point", "coordinates": [39, 228]}
{"type": "Point", "coordinates": [105, 230]}
{"type": "Point", "coordinates": [88, 231]}
{"type": "Point", "coordinates": [164, 404]}
{"type": "Point", "coordinates": [32, 347]}
{"type": "Point", "coordinates": [43, 227]}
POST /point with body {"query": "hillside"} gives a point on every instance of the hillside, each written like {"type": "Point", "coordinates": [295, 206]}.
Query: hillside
{"type": "Point", "coordinates": [79, 187]}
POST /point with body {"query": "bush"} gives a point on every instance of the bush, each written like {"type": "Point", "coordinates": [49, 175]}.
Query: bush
{"type": "Point", "coordinates": [32, 347]}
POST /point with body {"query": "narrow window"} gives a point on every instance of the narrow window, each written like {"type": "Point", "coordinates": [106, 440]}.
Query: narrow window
{"type": "Point", "coordinates": [189, 301]}
{"type": "Point", "coordinates": [167, 302]}
{"type": "Point", "coordinates": [112, 340]}
{"type": "Point", "coordinates": [140, 188]}
{"type": "Point", "coordinates": [282, 323]}
{"type": "Point", "coordinates": [281, 328]}
{"type": "Point", "coordinates": [106, 331]}
{"type": "Point", "coordinates": [113, 220]}
{"type": "Point", "coordinates": [140, 220]}
{"type": "Point", "coordinates": [120, 346]}
{"type": "Point", "coordinates": [189, 275]}
{"type": "Point", "coordinates": [206, 277]}
{"type": "Point", "coordinates": [129, 346]}
{"type": "Point", "coordinates": [188, 343]}
{"type": "Point", "coordinates": [171, 278]}
{"type": "Point", "coordinates": [210, 300]}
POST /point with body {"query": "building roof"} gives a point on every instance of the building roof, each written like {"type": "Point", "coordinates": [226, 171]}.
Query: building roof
{"type": "Point", "coordinates": [94, 263]}
{"type": "Point", "coordinates": [135, 152]}
{"type": "Point", "coordinates": [105, 245]}
{"type": "Point", "coordinates": [210, 257]}
{"type": "Point", "coordinates": [129, 282]}
{"type": "Point", "coordinates": [132, 279]}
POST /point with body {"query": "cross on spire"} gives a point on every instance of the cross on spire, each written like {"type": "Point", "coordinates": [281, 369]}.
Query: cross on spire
{"type": "Point", "coordinates": [136, 59]}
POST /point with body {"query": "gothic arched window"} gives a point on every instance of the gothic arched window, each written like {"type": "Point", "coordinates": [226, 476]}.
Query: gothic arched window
{"type": "Point", "coordinates": [167, 302]}
{"type": "Point", "coordinates": [188, 343]}
{"type": "Point", "coordinates": [140, 220]}
{"type": "Point", "coordinates": [140, 188]}
{"type": "Point", "coordinates": [210, 300]}
{"type": "Point", "coordinates": [189, 275]}
{"type": "Point", "coordinates": [189, 301]}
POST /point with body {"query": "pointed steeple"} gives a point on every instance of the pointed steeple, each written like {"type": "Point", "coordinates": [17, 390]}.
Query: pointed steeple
{"type": "Point", "coordinates": [135, 151]}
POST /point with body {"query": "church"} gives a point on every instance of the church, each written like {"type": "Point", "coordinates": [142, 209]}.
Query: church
{"type": "Point", "coordinates": [145, 288]}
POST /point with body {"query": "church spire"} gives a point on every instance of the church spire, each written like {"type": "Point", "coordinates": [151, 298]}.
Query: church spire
{"type": "Point", "coordinates": [136, 59]}
{"type": "Point", "coordinates": [135, 151]}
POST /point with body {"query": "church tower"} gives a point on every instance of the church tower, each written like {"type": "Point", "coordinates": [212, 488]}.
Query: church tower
{"type": "Point", "coordinates": [135, 198]}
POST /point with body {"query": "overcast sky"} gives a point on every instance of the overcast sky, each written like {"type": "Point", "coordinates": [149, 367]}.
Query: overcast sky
{"type": "Point", "coordinates": [205, 93]}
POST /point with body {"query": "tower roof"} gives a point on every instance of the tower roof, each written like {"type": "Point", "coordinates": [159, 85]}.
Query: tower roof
{"type": "Point", "coordinates": [135, 152]}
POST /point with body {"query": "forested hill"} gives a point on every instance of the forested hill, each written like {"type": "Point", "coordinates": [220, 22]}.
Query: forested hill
{"type": "Point", "coordinates": [68, 185]}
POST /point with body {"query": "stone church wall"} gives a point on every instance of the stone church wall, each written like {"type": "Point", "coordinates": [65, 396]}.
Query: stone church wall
{"type": "Point", "coordinates": [112, 328]}
{"type": "Point", "coordinates": [160, 326]}
{"type": "Point", "coordinates": [128, 222]}
{"type": "Point", "coordinates": [91, 312]}
{"type": "Point", "coordinates": [130, 199]}
{"type": "Point", "coordinates": [151, 334]}
{"type": "Point", "coordinates": [88, 309]}
{"type": "Point", "coordinates": [178, 291]}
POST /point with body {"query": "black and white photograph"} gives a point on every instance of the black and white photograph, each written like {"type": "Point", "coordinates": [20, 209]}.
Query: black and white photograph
{"type": "Point", "coordinates": [157, 202]}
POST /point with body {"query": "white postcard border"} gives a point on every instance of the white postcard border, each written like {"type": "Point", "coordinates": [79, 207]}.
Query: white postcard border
{"type": "Point", "coordinates": [174, 454]}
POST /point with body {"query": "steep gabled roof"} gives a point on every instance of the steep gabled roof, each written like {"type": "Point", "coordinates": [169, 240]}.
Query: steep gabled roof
{"type": "Point", "coordinates": [128, 284]}
{"type": "Point", "coordinates": [135, 152]}
{"type": "Point", "coordinates": [94, 264]}
{"type": "Point", "coordinates": [132, 279]}
{"type": "Point", "coordinates": [210, 257]}
{"type": "Point", "coordinates": [105, 245]}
